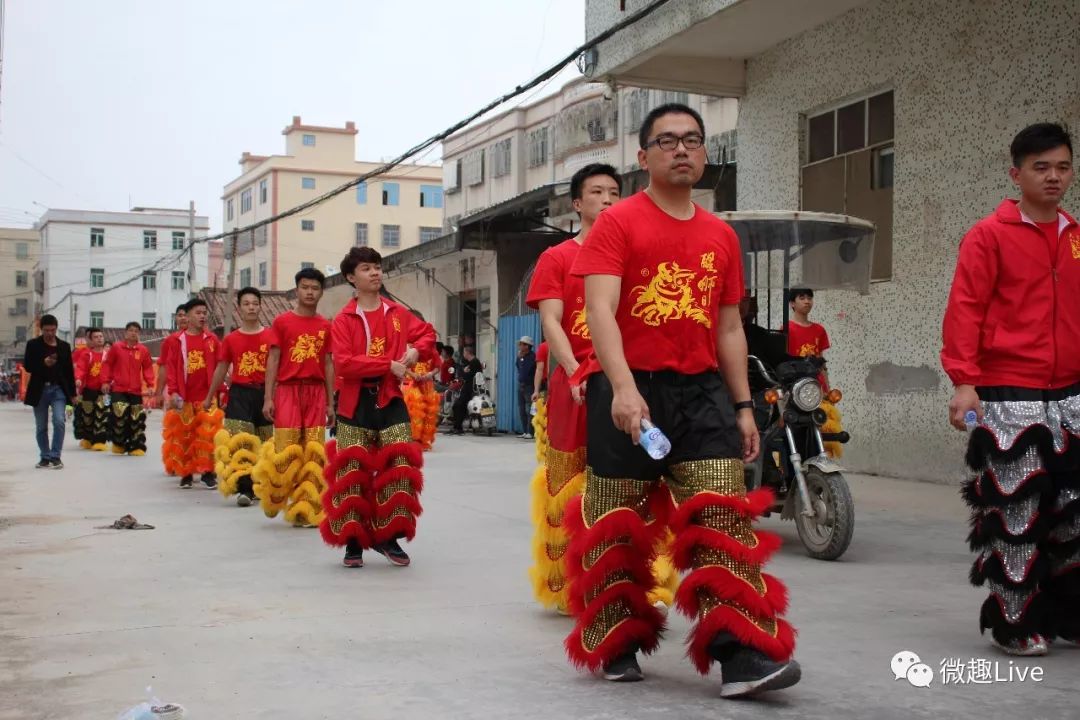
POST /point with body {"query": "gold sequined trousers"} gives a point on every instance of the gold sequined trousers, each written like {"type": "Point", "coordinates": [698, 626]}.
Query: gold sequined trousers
{"type": "Point", "coordinates": [373, 476]}
{"type": "Point", "coordinates": [127, 423]}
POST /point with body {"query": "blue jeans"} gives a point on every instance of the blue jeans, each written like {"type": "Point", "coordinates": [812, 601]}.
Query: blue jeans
{"type": "Point", "coordinates": [52, 396]}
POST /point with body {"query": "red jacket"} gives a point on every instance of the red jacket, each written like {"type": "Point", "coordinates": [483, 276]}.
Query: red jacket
{"type": "Point", "coordinates": [126, 368]}
{"type": "Point", "coordinates": [352, 364]}
{"type": "Point", "coordinates": [191, 387]}
{"type": "Point", "coordinates": [1012, 317]}
{"type": "Point", "coordinates": [88, 369]}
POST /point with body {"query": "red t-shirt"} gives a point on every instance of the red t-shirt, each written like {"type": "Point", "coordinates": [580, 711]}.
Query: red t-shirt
{"type": "Point", "coordinates": [552, 280]}
{"type": "Point", "coordinates": [247, 352]}
{"type": "Point", "coordinates": [675, 276]}
{"type": "Point", "coordinates": [304, 343]}
{"type": "Point", "coordinates": [804, 341]}
{"type": "Point", "coordinates": [542, 354]}
{"type": "Point", "coordinates": [199, 360]}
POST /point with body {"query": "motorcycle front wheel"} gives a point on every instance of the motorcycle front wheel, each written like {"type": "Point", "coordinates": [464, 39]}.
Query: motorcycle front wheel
{"type": "Point", "coordinates": [827, 534]}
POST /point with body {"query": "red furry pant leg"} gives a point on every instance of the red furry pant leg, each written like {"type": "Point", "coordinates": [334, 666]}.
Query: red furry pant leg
{"type": "Point", "coordinates": [725, 590]}
{"type": "Point", "coordinates": [373, 476]}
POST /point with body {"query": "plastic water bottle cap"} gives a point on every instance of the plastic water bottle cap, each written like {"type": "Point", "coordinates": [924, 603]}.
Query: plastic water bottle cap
{"type": "Point", "coordinates": [971, 419]}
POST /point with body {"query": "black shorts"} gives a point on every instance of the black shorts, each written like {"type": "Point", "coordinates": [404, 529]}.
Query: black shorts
{"type": "Point", "coordinates": [246, 404]}
{"type": "Point", "coordinates": [694, 411]}
{"type": "Point", "coordinates": [370, 416]}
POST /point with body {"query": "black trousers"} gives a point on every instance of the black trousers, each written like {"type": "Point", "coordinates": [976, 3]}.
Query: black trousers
{"type": "Point", "coordinates": [524, 398]}
{"type": "Point", "coordinates": [461, 410]}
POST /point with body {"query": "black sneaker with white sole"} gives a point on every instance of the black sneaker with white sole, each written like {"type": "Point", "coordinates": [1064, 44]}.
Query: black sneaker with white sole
{"type": "Point", "coordinates": [747, 671]}
{"type": "Point", "coordinates": [354, 555]}
{"type": "Point", "coordinates": [44, 464]}
{"type": "Point", "coordinates": [392, 552]}
{"type": "Point", "coordinates": [624, 668]}
{"type": "Point", "coordinates": [209, 480]}
{"type": "Point", "coordinates": [185, 482]}
{"type": "Point", "coordinates": [55, 464]}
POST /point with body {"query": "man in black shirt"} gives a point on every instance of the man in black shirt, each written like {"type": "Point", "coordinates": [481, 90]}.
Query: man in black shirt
{"type": "Point", "coordinates": [468, 388]}
{"type": "Point", "coordinates": [52, 387]}
{"type": "Point", "coordinates": [526, 372]}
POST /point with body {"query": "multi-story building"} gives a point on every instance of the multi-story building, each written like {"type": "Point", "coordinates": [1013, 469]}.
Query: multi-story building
{"type": "Point", "coordinates": [398, 210]}
{"type": "Point", "coordinates": [19, 252]}
{"type": "Point", "coordinates": [105, 269]}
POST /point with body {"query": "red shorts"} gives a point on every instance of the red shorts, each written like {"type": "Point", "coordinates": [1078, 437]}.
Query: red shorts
{"type": "Point", "coordinates": [566, 419]}
{"type": "Point", "coordinates": [300, 406]}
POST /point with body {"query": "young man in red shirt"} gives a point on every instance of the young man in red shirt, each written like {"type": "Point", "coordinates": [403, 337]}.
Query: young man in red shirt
{"type": "Point", "coordinates": [127, 375]}
{"type": "Point", "coordinates": [805, 338]}
{"type": "Point", "coordinates": [373, 476]}
{"type": "Point", "coordinates": [91, 417]}
{"type": "Point", "coordinates": [300, 402]}
{"type": "Point", "coordinates": [245, 428]}
{"type": "Point", "coordinates": [1012, 351]}
{"type": "Point", "coordinates": [191, 369]}
{"type": "Point", "coordinates": [663, 280]}
{"type": "Point", "coordinates": [171, 456]}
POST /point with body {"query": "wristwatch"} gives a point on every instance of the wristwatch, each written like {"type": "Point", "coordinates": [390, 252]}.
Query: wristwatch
{"type": "Point", "coordinates": [744, 405]}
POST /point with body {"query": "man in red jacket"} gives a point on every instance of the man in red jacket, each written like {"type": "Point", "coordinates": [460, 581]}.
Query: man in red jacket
{"type": "Point", "coordinates": [126, 377]}
{"type": "Point", "coordinates": [91, 416]}
{"type": "Point", "coordinates": [171, 456]}
{"type": "Point", "coordinates": [1012, 350]}
{"type": "Point", "coordinates": [373, 467]}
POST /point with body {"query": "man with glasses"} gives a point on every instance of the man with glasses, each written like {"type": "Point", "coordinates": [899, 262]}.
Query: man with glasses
{"type": "Point", "coordinates": [663, 280]}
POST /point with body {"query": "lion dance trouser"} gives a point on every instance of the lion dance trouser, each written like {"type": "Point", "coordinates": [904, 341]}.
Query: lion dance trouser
{"type": "Point", "coordinates": [127, 423]}
{"type": "Point", "coordinates": [373, 476]}
{"type": "Point", "coordinates": [91, 420]}
{"type": "Point", "coordinates": [423, 403]}
{"type": "Point", "coordinates": [617, 523]}
{"type": "Point", "coordinates": [560, 431]}
{"type": "Point", "coordinates": [289, 473]}
{"type": "Point", "coordinates": [1024, 493]}
{"type": "Point", "coordinates": [237, 444]}
{"type": "Point", "coordinates": [189, 439]}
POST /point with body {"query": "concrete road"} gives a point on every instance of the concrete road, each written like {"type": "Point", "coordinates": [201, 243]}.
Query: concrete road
{"type": "Point", "coordinates": [237, 616]}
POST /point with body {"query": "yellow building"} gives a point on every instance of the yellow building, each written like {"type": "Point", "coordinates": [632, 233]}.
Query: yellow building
{"type": "Point", "coordinates": [396, 211]}
{"type": "Point", "coordinates": [19, 251]}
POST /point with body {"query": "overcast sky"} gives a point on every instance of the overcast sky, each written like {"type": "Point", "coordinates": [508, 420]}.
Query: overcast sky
{"type": "Point", "coordinates": [154, 101]}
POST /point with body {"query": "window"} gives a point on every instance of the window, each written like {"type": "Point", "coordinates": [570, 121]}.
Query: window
{"type": "Point", "coordinates": [391, 236]}
{"type": "Point", "coordinates": [307, 183]}
{"type": "Point", "coordinates": [149, 321]}
{"type": "Point", "coordinates": [391, 193]}
{"type": "Point", "coordinates": [472, 168]}
{"type": "Point", "coordinates": [263, 191]}
{"type": "Point", "coordinates": [500, 158]}
{"type": "Point", "coordinates": [427, 234]}
{"type": "Point", "coordinates": [452, 176]}
{"type": "Point", "coordinates": [361, 235]}
{"type": "Point", "coordinates": [229, 209]}
{"type": "Point", "coordinates": [149, 239]}
{"type": "Point", "coordinates": [178, 239]}
{"type": "Point", "coordinates": [149, 280]}
{"type": "Point", "coordinates": [637, 107]}
{"type": "Point", "coordinates": [262, 274]}
{"type": "Point", "coordinates": [22, 278]}
{"type": "Point", "coordinates": [245, 277]}
{"type": "Point", "coordinates": [22, 251]}
{"type": "Point", "coordinates": [431, 196]}
{"type": "Point", "coordinates": [245, 201]}
{"type": "Point", "coordinates": [538, 147]}
{"type": "Point", "coordinates": [97, 237]}
{"type": "Point", "coordinates": [674, 96]}
{"type": "Point", "coordinates": [97, 277]}
{"type": "Point", "coordinates": [178, 279]}
{"type": "Point", "coordinates": [848, 169]}
{"type": "Point", "coordinates": [97, 318]}
{"type": "Point", "coordinates": [20, 333]}
{"type": "Point", "coordinates": [309, 140]}
{"type": "Point", "coordinates": [307, 225]}
{"type": "Point", "coordinates": [361, 194]}
{"type": "Point", "coordinates": [306, 265]}
{"type": "Point", "coordinates": [22, 306]}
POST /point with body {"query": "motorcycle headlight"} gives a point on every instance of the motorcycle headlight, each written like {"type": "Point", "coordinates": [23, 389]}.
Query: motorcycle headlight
{"type": "Point", "coordinates": [806, 394]}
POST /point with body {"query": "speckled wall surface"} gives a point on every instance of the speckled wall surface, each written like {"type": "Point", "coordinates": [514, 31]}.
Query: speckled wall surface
{"type": "Point", "coordinates": [967, 75]}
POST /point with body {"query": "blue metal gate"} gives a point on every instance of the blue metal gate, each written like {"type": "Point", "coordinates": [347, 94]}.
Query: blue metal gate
{"type": "Point", "coordinates": [511, 328]}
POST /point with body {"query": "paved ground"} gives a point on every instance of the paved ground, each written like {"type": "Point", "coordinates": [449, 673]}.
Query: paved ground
{"type": "Point", "coordinates": [237, 616]}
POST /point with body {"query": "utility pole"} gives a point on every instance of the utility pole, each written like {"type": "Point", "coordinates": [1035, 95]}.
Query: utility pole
{"type": "Point", "coordinates": [191, 249]}
{"type": "Point", "coordinates": [231, 285]}
{"type": "Point", "coordinates": [74, 316]}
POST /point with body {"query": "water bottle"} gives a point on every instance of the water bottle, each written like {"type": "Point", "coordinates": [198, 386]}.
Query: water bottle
{"type": "Point", "coordinates": [107, 400]}
{"type": "Point", "coordinates": [971, 420]}
{"type": "Point", "coordinates": [532, 411]}
{"type": "Point", "coordinates": [654, 441]}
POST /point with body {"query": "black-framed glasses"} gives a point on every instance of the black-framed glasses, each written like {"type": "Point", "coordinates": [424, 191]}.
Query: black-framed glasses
{"type": "Point", "coordinates": [667, 142]}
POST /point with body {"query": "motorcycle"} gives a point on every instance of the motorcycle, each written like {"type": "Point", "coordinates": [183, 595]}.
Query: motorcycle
{"type": "Point", "coordinates": [481, 410]}
{"type": "Point", "coordinates": [810, 487]}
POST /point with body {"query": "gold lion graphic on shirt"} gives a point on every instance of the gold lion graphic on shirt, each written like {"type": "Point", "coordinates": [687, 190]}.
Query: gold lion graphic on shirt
{"type": "Point", "coordinates": [809, 349]}
{"type": "Point", "coordinates": [306, 347]}
{"type": "Point", "coordinates": [95, 369]}
{"type": "Point", "coordinates": [250, 363]}
{"type": "Point", "coordinates": [1074, 245]}
{"type": "Point", "coordinates": [579, 324]}
{"type": "Point", "coordinates": [378, 347]}
{"type": "Point", "coordinates": [195, 360]}
{"type": "Point", "coordinates": [668, 296]}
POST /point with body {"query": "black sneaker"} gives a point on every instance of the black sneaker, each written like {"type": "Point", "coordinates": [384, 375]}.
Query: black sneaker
{"type": "Point", "coordinates": [392, 552]}
{"type": "Point", "coordinates": [209, 480]}
{"type": "Point", "coordinates": [55, 464]}
{"type": "Point", "coordinates": [624, 668]}
{"type": "Point", "coordinates": [185, 482]}
{"type": "Point", "coordinates": [354, 555]}
{"type": "Point", "coordinates": [747, 671]}
{"type": "Point", "coordinates": [44, 464]}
